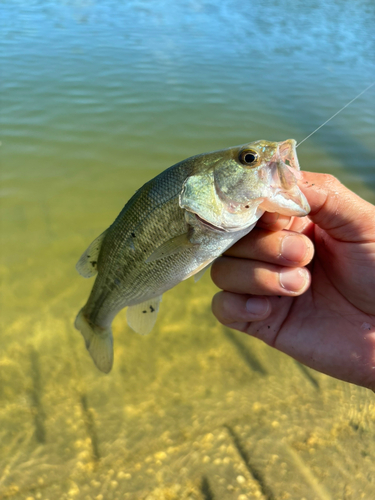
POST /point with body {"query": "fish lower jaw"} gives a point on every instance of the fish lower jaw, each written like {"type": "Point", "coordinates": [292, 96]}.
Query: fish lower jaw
{"type": "Point", "coordinates": [291, 202]}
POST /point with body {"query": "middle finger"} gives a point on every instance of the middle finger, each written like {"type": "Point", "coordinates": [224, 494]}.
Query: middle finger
{"type": "Point", "coordinates": [284, 248]}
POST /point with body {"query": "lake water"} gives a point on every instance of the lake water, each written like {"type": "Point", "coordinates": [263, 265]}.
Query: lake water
{"type": "Point", "coordinates": [97, 98]}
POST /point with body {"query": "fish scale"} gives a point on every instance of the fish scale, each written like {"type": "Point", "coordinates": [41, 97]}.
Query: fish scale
{"type": "Point", "coordinates": [148, 230]}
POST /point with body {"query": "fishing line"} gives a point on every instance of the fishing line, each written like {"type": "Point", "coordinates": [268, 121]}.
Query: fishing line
{"type": "Point", "coordinates": [339, 111]}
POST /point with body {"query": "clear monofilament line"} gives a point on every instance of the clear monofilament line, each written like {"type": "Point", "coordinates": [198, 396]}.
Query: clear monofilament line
{"type": "Point", "coordinates": [337, 112]}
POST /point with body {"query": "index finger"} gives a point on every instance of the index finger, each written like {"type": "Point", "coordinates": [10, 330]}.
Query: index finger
{"type": "Point", "coordinates": [272, 221]}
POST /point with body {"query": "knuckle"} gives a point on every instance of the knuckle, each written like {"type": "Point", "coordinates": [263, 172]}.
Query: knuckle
{"type": "Point", "coordinates": [226, 311]}
{"type": "Point", "coordinates": [331, 180]}
{"type": "Point", "coordinates": [220, 307]}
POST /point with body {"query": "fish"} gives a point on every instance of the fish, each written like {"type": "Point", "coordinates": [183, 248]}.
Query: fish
{"type": "Point", "coordinates": [175, 226]}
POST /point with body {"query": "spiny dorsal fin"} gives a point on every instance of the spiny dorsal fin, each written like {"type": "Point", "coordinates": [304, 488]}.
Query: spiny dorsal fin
{"type": "Point", "coordinates": [170, 247]}
{"type": "Point", "coordinates": [142, 317]}
{"type": "Point", "coordinates": [87, 264]}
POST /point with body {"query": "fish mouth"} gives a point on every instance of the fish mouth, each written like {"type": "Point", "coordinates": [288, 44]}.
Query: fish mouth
{"type": "Point", "coordinates": [283, 172]}
{"type": "Point", "coordinates": [286, 152]}
{"type": "Point", "coordinates": [208, 224]}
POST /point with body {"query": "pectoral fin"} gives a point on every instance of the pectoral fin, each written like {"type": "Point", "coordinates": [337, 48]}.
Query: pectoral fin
{"type": "Point", "coordinates": [87, 264]}
{"type": "Point", "coordinates": [170, 247]}
{"type": "Point", "coordinates": [142, 317]}
{"type": "Point", "coordinates": [201, 272]}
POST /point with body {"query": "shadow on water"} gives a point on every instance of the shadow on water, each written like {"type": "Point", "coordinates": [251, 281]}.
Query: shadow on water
{"type": "Point", "coordinates": [36, 398]}
{"type": "Point", "coordinates": [245, 352]}
{"type": "Point", "coordinates": [206, 489]}
{"type": "Point", "coordinates": [253, 470]}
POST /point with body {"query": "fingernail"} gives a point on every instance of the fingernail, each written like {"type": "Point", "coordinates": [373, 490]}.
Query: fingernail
{"type": "Point", "coordinates": [293, 280]}
{"type": "Point", "coordinates": [257, 306]}
{"type": "Point", "coordinates": [293, 248]}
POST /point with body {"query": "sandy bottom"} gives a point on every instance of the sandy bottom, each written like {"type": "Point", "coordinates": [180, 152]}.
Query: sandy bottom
{"type": "Point", "coordinates": [192, 411]}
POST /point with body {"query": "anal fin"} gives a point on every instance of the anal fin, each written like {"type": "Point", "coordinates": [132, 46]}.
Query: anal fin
{"type": "Point", "coordinates": [142, 317]}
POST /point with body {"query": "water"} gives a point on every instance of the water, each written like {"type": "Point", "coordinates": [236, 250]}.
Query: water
{"type": "Point", "coordinates": [98, 97]}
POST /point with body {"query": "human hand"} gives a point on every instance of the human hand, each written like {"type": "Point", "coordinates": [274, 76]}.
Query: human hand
{"type": "Point", "coordinates": [322, 315]}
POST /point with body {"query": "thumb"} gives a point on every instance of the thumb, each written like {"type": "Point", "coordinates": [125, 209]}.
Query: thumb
{"type": "Point", "coordinates": [334, 208]}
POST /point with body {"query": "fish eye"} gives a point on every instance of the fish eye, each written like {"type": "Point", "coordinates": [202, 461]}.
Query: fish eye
{"type": "Point", "coordinates": [248, 157]}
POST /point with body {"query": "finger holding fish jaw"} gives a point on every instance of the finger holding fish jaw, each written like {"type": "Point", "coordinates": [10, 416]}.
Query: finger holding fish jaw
{"type": "Point", "coordinates": [283, 248]}
{"type": "Point", "coordinates": [259, 268]}
{"type": "Point", "coordinates": [274, 221]}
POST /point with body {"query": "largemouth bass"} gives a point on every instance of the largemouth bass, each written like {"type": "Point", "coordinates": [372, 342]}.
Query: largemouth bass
{"type": "Point", "coordinates": [175, 226]}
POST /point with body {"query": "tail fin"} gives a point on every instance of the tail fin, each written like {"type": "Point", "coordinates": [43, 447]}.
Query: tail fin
{"type": "Point", "coordinates": [99, 342]}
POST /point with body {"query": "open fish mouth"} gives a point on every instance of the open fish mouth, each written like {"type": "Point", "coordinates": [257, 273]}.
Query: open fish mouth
{"type": "Point", "coordinates": [286, 152]}
{"type": "Point", "coordinates": [283, 173]}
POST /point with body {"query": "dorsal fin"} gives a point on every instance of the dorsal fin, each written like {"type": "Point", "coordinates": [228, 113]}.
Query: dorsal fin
{"type": "Point", "coordinates": [87, 264]}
